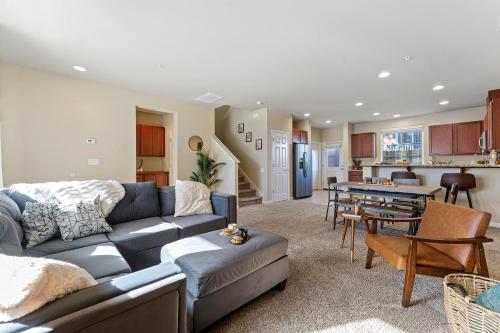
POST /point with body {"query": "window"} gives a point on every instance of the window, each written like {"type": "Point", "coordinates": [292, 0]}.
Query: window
{"type": "Point", "coordinates": [402, 145]}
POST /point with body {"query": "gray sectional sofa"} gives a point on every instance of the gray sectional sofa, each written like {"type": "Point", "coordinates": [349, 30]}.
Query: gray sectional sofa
{"type": "Point", "coordinates": [125, 262]}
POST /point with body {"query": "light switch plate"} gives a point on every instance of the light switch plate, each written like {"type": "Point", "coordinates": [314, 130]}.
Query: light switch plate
{"type": "Point", "coordinates": [93, 161]}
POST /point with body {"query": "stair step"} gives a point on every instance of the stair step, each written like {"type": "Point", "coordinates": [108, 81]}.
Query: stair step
{"type": "Point", "coordinates": [245, 193]}
{"type": "Point", "coordinates": [247, 201]}
{"type": "Point", "coordinates": [241, 179]}
{"type": "Point", "coordinates": [243, 185]}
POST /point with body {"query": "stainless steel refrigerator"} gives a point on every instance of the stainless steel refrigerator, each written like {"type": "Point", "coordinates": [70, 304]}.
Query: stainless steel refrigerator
{"type": "Point", "coordinates": [302, 170]}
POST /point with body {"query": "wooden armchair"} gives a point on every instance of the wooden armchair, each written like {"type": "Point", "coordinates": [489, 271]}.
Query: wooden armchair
{"type": "Point", "coordinates": [449, 240]}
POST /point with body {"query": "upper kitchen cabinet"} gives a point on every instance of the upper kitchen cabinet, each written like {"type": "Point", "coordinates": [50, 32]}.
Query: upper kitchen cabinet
{"type": "Point", "coordinates": [363, 145]}
{"type": "Point", "coordinates": [455, 139]}
{"type": "Point", "coordinates": [441, 140]}
{"type": "Point", "coordinates": [299, 136]}
{"type": "Point", "coordinates": [466, 138]}
{"type": "Point", "coordinates": [492, 120]}
{"type": "Point", "coordinates": [150, 141]}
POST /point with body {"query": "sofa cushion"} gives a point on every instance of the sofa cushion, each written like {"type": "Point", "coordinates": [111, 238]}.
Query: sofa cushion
{"type": "Point", "coordinates": [143, 234]}
{"type": "Point", "coordinates": [211, 262]}
{"type": "Point", "coordinates": [11, 233]}
{"type": "Point", "coordinates": [140, 202]}
{"type": "Point", "coordinates": [196, 224]}
{"type": "Point", "coordinates": [56, 245]}
{"type": "Point", "coordinates": [19, 198]}
{"type": "Point", "coordinates": [167, 200]}
{"type": "Point", "coordinates": [99, 260]}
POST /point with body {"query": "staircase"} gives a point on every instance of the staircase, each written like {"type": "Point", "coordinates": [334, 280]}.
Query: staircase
{"type": "Point", "coordinates": [246, 195]}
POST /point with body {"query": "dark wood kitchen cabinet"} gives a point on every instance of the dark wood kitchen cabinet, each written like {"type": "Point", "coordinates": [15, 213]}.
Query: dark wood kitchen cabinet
{"type": "Point", "coordinates": [455, 139]}
{"type": "Point", "coordinates": [150, 140]}
{"type": "Point", "coordinates": [299, 136]}
{"type": "Point", "coordinates": [466, 138]}
{"type": "Point", "coordinates": [363, 145]}
{"type": "Point", "coordinates": [492, 120]}
{"type": "Point", "coordinates": [159, 177]}
{"type": "Point", "coordinates": [441, 139]}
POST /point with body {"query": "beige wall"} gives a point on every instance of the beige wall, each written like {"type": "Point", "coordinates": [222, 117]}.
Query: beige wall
{"type": "Point", "coordinates": [47, 117]}
{"type": "Point", "coordinates": [427, 120]}
{"type": "Point", "coordinates": [315, 134]}
{"type": "Point", "coordinates": [253, 162]}
{"type": "Point", "coordinates": [332, 134]}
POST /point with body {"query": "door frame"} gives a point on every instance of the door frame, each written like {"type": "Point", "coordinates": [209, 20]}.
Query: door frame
{"type": "Point", "coordinates": [320, 163]}
{"type": "Point", "coordinates": [173, 155]}
{"type": "Point", "coordinates": [289, 151]}
{"type": "Point", "coordinates": [325, 145]}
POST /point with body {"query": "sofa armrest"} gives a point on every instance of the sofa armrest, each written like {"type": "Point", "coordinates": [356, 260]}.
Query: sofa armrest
{"type": "Point", "coordinates": [224, 205]}
{"type": "Point", "coordinates": [118, 295]}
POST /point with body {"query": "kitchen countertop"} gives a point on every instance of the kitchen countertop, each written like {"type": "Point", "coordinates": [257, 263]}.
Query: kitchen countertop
{"type": "Point", "coordinates": [463, 165]}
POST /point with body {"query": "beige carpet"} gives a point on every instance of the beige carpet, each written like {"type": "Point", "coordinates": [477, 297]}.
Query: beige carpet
{"type": "Point", "coordinates": [328, 293]}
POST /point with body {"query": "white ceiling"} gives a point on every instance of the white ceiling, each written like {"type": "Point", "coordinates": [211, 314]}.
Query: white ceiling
{"type": "Point", "coordinates": [317, 56]}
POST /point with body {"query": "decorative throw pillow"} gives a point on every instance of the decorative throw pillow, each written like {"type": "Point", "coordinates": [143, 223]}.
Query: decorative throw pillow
{"type": "Point", "coordinates": [82, 219]}
{"type": "Point", "coordinates": [39, 223]}
{"type": "Point", "coordinates": [29, 283]}
{"type": "Point", "coordinates": [192, 198]}
{"type": "Point", "coordinates": [490, 298]}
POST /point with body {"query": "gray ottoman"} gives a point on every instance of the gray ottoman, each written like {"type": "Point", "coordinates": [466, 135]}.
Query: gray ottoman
{"type": "Point", "coordinates": [222, 277]}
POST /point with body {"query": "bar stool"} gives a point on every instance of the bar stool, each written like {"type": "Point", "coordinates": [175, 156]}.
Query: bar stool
{"type": "Point", "coordinates": [403, 175]}
{"type": "Point", "coordinates": [465, 181]}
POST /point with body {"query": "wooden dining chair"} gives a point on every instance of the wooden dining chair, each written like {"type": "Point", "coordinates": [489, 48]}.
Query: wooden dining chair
{"type": "Point", "coordinates": [334, 200]}
{"type": "Point", "coordinates": [449, 240]}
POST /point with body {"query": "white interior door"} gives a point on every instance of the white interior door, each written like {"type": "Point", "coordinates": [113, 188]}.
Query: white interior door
{"type": "Point", "coordinates": [280, 173]}
{"type": "Point", "coordinates": [315, 148]}
{"type": "Point", "coordinates": [332, 163]}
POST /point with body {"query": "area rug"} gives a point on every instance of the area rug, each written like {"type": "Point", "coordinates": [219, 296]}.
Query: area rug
{"type": "Point", "coordinates": [326, 292]}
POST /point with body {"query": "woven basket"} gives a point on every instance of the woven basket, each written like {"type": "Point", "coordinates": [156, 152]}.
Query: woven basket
{"type": "Point", "coordinates": [464, 315]}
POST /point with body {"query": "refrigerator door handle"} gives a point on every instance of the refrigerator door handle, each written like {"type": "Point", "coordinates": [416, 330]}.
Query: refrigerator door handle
{"type": "Point", "coordinates": [304, 170]}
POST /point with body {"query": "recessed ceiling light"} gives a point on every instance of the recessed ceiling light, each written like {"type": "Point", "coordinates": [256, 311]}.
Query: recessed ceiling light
{"type": "Point", "coordinates": [80, 68]}
{"type": "Point", "coordinates": [259, 103]}
{"type": "Point", "coordinates": [396, 115]}
{"type": "Point", "coordinates": [384, 74]}
{"type": "Point", "coordinates": [307, 114]}
{"type": "Point", "coordinates": [359, 104]}
{"type": "Point", "coordinates": [328, 121]}
{"type": "Point", "coordinates": [376, 113]}
{"type": "Point", "coordinates": [407, 58]}
{"type": "Point", "coordinates": [444, 102]}
{"type": "Point", "coordinates": [438, 87]}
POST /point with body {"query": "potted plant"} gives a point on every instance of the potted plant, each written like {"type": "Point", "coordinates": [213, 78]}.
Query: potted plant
{"type": "Point", "coordinates": [207, 169]}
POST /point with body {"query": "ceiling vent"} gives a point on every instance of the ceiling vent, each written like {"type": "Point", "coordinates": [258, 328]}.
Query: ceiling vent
{"type": "Point", "coordinates": [208, 98]}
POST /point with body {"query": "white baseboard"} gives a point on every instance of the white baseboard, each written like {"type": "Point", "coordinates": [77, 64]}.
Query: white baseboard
{"type": "Point", "coordinates": [494, 225]}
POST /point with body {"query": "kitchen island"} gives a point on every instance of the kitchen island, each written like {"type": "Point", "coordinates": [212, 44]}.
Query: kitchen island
{"type": "Point", "coordinates": [485, 197]}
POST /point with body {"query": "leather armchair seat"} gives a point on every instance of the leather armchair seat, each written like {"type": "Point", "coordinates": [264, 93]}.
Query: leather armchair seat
{"type": "Point", "coordinates": [395, 252]}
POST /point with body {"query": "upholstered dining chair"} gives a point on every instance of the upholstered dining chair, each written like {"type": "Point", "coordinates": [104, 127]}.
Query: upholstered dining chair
{"type": "Point", "coordinates": [449, 240]}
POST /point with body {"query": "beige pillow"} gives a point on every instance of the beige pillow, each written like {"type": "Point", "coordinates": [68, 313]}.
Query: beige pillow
{"type": "Point", "coordinates": [26, 284]}
{"type": "Point", "coordinates": [191, 198]}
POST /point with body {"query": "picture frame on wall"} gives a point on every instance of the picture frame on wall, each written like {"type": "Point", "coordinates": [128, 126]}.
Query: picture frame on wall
{"type": "Point", "coordinates": [258, 144]}
{"type": "Point", "coordinates": [241, 128]}
{"type": "Point", "coordinates": [248, 137]}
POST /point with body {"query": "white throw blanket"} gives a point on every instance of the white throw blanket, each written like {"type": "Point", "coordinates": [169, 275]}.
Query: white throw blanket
{"type": "Point", "coordinates": [69, 193]}
{"type": "Point", "coordinates": [26, 284]}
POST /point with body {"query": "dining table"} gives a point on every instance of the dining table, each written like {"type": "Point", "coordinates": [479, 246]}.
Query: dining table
{"type": "Point", "coordinates": [418, 195]}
